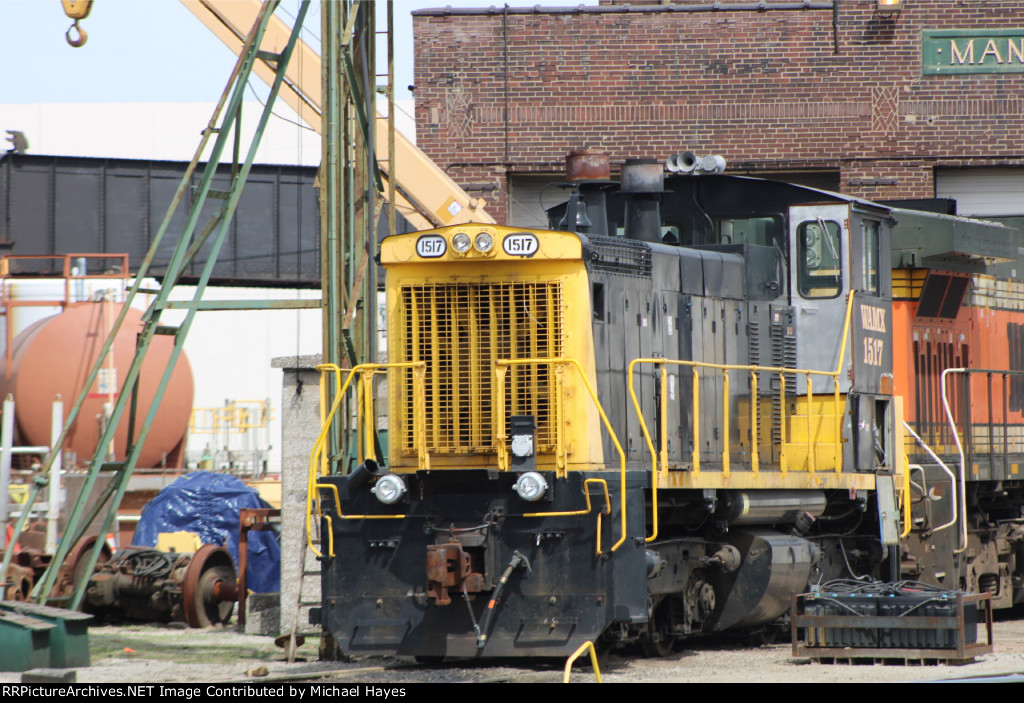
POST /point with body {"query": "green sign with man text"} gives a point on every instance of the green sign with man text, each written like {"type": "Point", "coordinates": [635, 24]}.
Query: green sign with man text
{"type": "Point", "coordinates": [947, 51]}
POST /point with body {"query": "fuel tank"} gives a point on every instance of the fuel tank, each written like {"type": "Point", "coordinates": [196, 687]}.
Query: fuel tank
{"type": "Point", "coordinates": [54, 356]}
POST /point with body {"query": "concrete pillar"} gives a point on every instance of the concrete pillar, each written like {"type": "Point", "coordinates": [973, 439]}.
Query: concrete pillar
{"type": "Point", "coordinates": [300, 425]}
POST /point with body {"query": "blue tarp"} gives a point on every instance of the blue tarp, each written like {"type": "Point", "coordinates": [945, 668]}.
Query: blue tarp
{"type": "Point", "coordinates": [207, 504]}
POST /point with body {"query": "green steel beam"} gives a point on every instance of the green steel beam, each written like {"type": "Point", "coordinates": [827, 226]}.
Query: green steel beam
{"type": "Point", "coordinates": [236, 88]}
{"type": "Point", "coordinates": [350, 188]}
{"type": "Point", "coordinates": [277, 304]}
{"type": "Point", "coordinates": [179, 195]}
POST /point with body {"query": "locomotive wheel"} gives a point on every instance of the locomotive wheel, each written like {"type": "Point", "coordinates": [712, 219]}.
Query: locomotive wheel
{"type": "Point", "coordinates": [73, 572]}
{"type": "Point", "coordinates": [209, 577]}
{"type": "Point", "coordinates": [657, 642]}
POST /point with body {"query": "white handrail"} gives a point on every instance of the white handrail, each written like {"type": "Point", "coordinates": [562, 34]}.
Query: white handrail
{"type": "Point", "coordinates": [942, 465]}
{"type": "Point", "coordinates": [960, 450]}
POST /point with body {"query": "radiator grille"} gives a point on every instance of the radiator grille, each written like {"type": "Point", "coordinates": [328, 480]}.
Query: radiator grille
{"type": "Point", "coordinates": [459, 330]}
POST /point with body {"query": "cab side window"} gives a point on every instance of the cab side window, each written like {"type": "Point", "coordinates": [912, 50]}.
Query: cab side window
{"type": "Point", "coordinates": [819, 259]}
{"type": "Point", "coordinates": [869, 266]}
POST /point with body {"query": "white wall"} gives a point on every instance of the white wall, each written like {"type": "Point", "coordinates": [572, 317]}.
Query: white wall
{"type": "Point", "coordinates": [162, 131]}
{"type": "Point", "coordinates": [230, 354]}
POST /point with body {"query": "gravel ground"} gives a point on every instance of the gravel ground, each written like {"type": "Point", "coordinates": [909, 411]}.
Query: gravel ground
{"type": "Point", "coordinates": [154, 654]}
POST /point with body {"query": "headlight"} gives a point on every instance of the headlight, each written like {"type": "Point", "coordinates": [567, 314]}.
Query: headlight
{"type": "Point", "coordinates": [483, 243]}
{"type": "Point", "coordinates": [531, 486]}
{"type": "Point", "coordinates": [461, 242]}
{"type": "Point", "coordinates": [389, 489]}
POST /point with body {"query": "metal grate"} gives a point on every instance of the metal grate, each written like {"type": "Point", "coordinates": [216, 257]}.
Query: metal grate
{"type": "Point", "coordinates": [783, 351]}
{"type": "Point", "coordinates": [626, 257]}
{"type": "Point", "coordinates": [459, 330]}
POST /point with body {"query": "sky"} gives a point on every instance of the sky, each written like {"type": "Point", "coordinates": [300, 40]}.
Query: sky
{"type": "Point", "coordinates": [149, 51]}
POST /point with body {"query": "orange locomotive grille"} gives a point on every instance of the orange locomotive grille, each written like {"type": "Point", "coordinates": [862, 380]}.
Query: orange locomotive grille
{"type": "Point", "coordinates": [459, 330]}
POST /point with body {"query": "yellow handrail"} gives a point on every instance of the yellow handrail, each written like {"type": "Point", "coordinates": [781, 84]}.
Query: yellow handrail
{"type": "Point", "coordinates": [337, 503]}
{"type": "Point", "coordinates": [330, 535]}
{"type": "Point", "coordinates": [575, 655]}
{"type": "Point", "coordinates": [318, 458]}
{"type": "Point", "coordinates": [662, 454]}
{"type": "Point", "coordinates": [499, 422]}
{"type": "Point", "coordinates": [586, 494]}
{"type": "Point", "coordinates": [752, 369]}
{"type": "Point", "coordinates": [754, 452]}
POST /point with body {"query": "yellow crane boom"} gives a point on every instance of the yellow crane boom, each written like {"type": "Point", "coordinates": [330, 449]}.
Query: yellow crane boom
{"type": "Point", "coordinates": [425, 195]}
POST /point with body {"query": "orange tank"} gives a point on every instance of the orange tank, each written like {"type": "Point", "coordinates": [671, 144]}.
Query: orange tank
{"type": "Point", "coordinates": [54, 356]}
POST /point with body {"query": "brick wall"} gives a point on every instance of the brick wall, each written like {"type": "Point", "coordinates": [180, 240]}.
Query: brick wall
{"type": "Point", "coordinates": [498, 94]}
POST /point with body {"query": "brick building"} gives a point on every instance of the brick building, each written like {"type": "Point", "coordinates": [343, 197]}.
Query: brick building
{"type": "Point", "coordinates": [924, 103]}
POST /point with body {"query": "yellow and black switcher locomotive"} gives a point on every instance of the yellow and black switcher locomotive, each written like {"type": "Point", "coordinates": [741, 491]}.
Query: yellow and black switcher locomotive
{"type": "Point", "coordinates": [665, 415]}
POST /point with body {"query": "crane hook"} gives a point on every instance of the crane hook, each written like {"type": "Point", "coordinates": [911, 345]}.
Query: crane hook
{"type": "Point", "coordinates": [80, 39]}
{"type": "Point", "coordinates": [76, 10]}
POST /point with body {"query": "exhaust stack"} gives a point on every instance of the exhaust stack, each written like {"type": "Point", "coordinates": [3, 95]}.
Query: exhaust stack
{"type": "Point", "coordinates": [643, 183]}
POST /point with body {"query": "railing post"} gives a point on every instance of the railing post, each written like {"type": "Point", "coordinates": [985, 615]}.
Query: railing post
{"type": "Point", "coordinates": [6, 444]}
{"type": "Point", "coordinates": [369, 415]}
{"type": "Point", "coordinates": [663, 449]}
{"type": "Point", "coordinates": [419, 376]}
{"type": "Point", "coordinates": [560, 451]}
{"type": "Point", "coordinates": [1006, 411]}
{"type": "Point", "coordinates": [755, 445]}
{"type": "Point", "coordinates": [839, 412]}
{"type": "Point", "coordinates": [811, 454]}
{"type": "Point", "coordinates": [322, 461]}
{"type": "Point", "coordinates": [695, 456]}
{"type": "Point", "coordinates": [53, 509]}
{"type": "Point", "coordinates": [360, 417]}
{"type": "Point", "coordinates": [725, 422]}
{"type": "Point", "coordinates": [499, 416]}
{"type": "Point", "coordinates": [783, 468]}
{"type": "Point", "coordinates": [991, 427]}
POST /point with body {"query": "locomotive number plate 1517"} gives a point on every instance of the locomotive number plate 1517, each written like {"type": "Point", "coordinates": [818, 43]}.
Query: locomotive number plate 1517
{"type": "Point", "coordinates": [431, 246]}
{"type": "Point", "coordinates": [520, 244]}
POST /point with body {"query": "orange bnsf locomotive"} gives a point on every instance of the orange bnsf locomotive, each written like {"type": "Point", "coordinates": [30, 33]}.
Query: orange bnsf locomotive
{"type": "Point", "coordinates": [691, 398]}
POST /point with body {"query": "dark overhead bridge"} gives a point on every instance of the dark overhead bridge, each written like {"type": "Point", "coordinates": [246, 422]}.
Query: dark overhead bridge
{"type": "Point", "coordinates": [62, 204]}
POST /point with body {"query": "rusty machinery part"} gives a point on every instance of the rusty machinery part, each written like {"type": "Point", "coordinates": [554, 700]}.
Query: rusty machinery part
{"type": "Point", "coordinates": [138, 583]}
{"type": "Point", "coordinates": [73, 570]}
{"type": "Point", "coordinates": [450, 567]}
{"type": "Point", "coordinates": [17, 582]}
{"type": "Point", "coordinates": [147, 584]}
{"type": "Point", "coordinates": [210, 588]}
{"type": "Point", "coordinates": [76, 10]}
{"type": "Point", "coordinates": [31, 561]}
